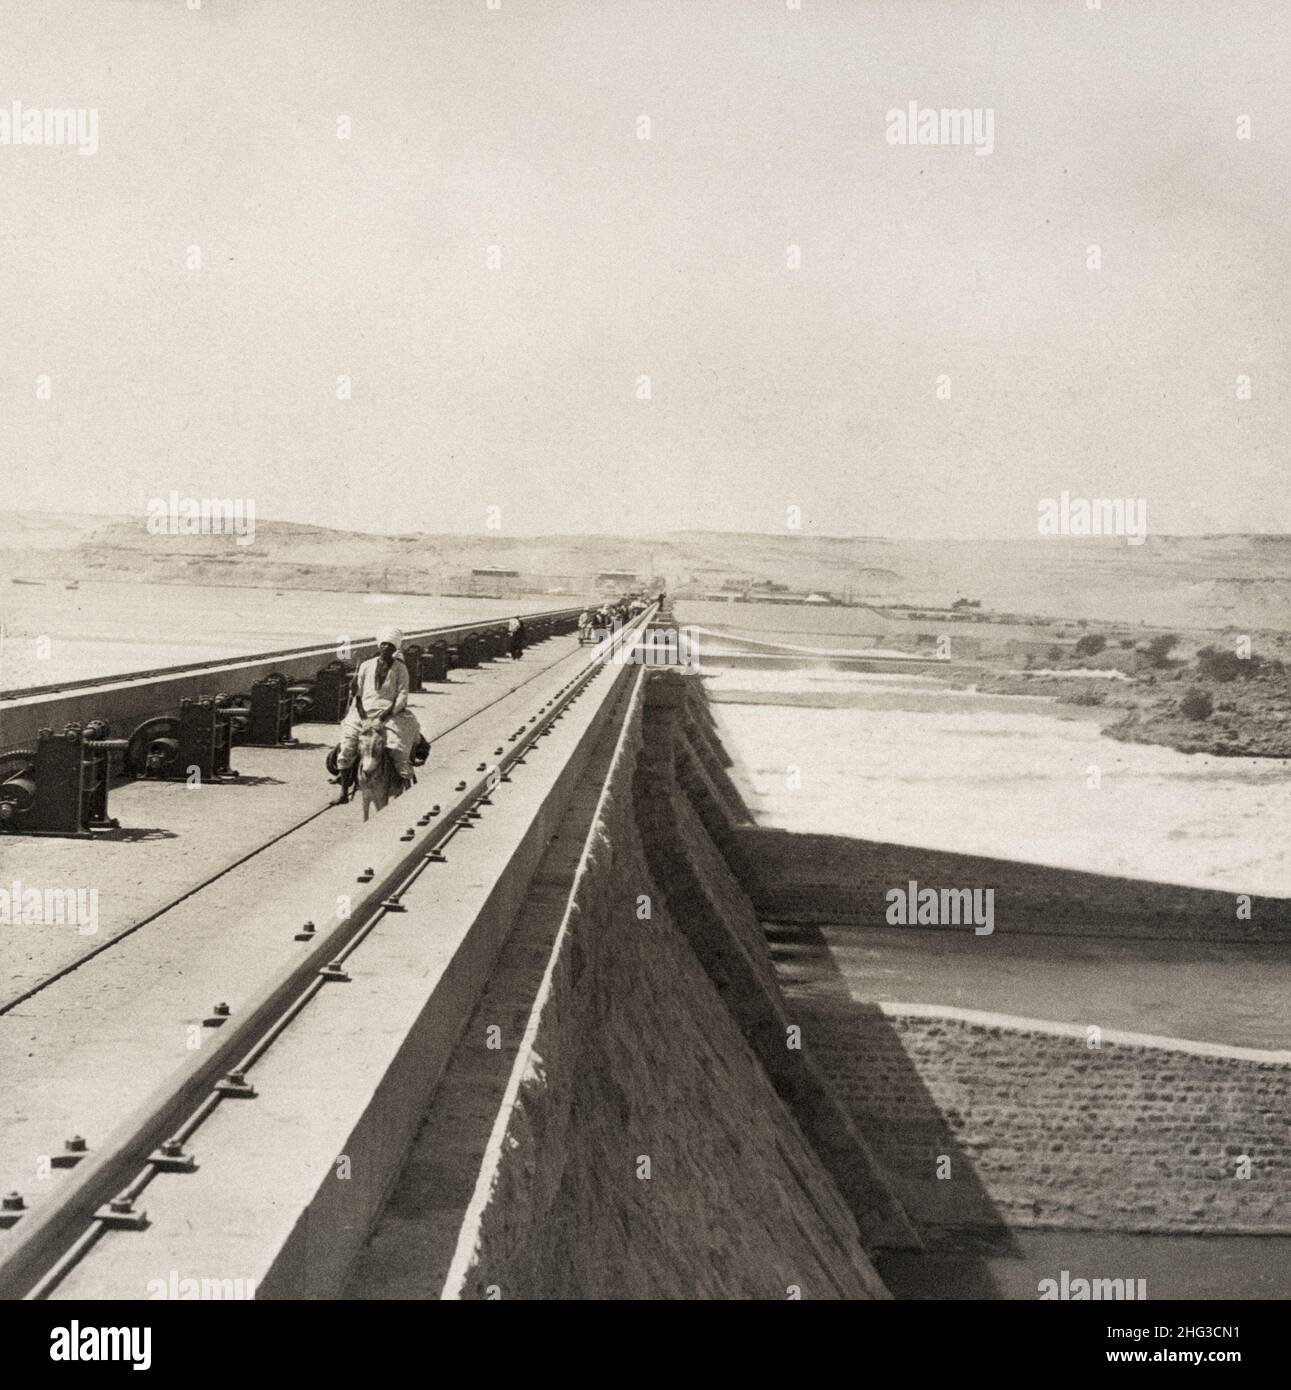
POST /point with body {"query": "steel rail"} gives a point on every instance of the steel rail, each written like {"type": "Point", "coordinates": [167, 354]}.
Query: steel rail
{"type": "Point", "coordinates": [41, 1248]}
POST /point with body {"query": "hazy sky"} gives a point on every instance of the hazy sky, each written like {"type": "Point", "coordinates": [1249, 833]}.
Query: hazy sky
{"type": "Point", "coordinates": [621, 257]}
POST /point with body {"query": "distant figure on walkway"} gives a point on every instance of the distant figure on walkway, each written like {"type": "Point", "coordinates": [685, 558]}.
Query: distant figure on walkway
{"type": "Point", "coordinates": [379, 690]}
{"type": "Point", "coordinates": [584, 625]}
{"type": "Point", "coordinates": [516, 628]}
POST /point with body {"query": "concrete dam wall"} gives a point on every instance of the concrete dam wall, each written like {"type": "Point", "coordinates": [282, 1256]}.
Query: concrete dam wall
{"type": "Point", "coordinates": [704, 1102]}
{"type": "Point", "coordinates": [666, 1136]}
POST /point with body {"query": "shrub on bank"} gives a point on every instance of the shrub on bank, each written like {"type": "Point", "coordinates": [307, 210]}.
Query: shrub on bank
{"type": "Point", "coordinates": [1219, 664]}
{"type": "Point", "coordinates": [1196, 704]}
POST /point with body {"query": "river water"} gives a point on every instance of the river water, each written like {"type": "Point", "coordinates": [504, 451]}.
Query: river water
{"type": "Point", "coordinates": [908, 760]}
{"type": "Point", "coordinates": [52, 633]}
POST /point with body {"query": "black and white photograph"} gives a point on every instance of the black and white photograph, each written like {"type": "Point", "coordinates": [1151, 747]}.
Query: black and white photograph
{"type": "Point", "coordinates": [645, 655]}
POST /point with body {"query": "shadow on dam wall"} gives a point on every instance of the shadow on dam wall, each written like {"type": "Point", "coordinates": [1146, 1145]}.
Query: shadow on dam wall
{"type": "Point", "coordinates": [920, 1141]}
{"type": "Point", "coordinates": [796, 877]}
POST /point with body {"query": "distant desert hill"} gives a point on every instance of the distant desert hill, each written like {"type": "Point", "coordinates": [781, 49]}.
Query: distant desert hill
{"type": "Point", "coordinates": [1237, 581]}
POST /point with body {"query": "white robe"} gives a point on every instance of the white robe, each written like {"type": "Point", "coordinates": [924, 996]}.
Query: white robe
{"type": "Point", "coordinates": [402, 728]}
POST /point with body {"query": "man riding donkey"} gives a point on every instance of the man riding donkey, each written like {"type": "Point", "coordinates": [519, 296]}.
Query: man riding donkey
{"type": "Point", "coordinates": [379, 691]}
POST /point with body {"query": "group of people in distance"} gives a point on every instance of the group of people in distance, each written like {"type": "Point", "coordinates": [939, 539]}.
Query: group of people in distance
{"type": "Point", "coordinates": [595, 624]}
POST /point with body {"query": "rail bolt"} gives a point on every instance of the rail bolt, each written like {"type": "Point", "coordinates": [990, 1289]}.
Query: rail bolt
{"type": "Point", "coordinates": [235, 1085]}
{"type": "Point", "coordinates": [121, 1214]}
{"type": "Point", "coordinates": [74, 1150]}
{"type": "Point", "coordinates": [171, 1158]}
{"type": "Point", "coordinates": [13, 1202]}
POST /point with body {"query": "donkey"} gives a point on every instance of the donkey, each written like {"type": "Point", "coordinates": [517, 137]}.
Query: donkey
{"type": "Point", "coordinates": [375, 774]}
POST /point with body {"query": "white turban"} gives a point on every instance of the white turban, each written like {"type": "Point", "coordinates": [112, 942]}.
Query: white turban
{"type": "Point", "coordinates": [391, 635]}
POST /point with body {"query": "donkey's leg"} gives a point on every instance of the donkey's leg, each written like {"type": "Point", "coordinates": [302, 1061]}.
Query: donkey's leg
{"type": "Point", "coordinates": [392, 779]}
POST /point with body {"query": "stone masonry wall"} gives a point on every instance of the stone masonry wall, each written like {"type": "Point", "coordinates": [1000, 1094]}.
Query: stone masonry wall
{"type": "Point", "coordinates": [1042, 1130]}
{"type": "Point", "coordinates": [637, 1058]}
{"type": "Point", "coordinates": [685, 827]}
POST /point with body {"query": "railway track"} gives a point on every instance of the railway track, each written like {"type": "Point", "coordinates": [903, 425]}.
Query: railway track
{"type": "Point", "coordinates": [101, 1189]}
{"type": "Point", "coordinates": [155, 915]}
